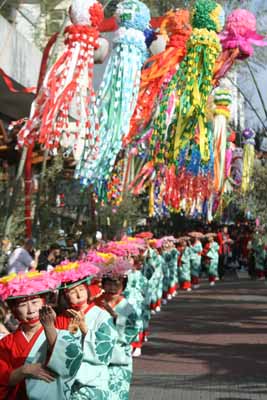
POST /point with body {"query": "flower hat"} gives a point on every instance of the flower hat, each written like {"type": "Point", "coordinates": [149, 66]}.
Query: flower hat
{"type": "Point", "coordinates": [69, 273]}
{"type": "Point", "coordinates": [22, 285]}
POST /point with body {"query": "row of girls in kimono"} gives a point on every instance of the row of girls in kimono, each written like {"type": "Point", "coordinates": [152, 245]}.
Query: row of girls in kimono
{"type": "Point", "coordinates": [178, 264]}
{"type": "Point", "coordinates": [80, 345]}
{"type": "Point", "coordinates": [74, 348]}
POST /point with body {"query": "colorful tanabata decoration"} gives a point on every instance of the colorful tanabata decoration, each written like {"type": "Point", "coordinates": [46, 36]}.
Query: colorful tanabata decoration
{"type": "Point", "coordinates": [117, 95]}
{"type": "Point", "coordinates": [177, 29]}
{"type": "Point", "coordinates": [248, 159]}
{"type": "Point", "coordinates": [183, 140]}
{"type": "Point", "coordinates": [67, 88]}
{"type": "Point", "coordinates": [237, 167]}
{"type": "Point", "coordinates": [237, 39]}
{"type": "Point", "coordinates": [222, 101]}
{"type": "Point", "coordinates": [115, 184]}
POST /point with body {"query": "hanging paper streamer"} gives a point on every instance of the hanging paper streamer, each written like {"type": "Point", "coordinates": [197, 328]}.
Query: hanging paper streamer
{"type": "Point", "coordinates": [115, 183]}
{"type": "Point", "coordinates": [197, 69]}
{"type": "Point", "coordinates": [237, 167]}
{"type": "Point", "coordinates": [69, 81]}
{"type": "Point", "coordinates": [177, 29]}
{"type": "Point", "coordinates": [118, 92]}
{"type": "Point", "coordinates": [248, 159]}
{"type": "Point", "coordinates": [182, 137]}
{"type": "Point", "coordinates": [222, 101]}
{"type": "Point", "coordinates": [192, 84]}
{"type": "Point", "coordinates": [237, 39]}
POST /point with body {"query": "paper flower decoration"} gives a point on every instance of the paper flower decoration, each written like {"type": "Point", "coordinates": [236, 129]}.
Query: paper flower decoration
{"type": "Point", "coordinates": [144, 235]}
{"type": "Point", "coordinates": [237, 40]}
{"type": "Point", "coordinates": [241, 32]}
{"type": "Point", "coordinates": [120, 267]}
{"type": "Point", "coordinates": [74, 271]}
{"type": "Point", "coordinates": [197, 235]}
{"type": "Point", "coordinates": [22, 285]}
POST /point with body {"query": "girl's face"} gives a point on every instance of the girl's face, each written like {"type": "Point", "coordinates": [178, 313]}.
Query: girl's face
{"type": "Point", "coordinates": [77, 295]}
{"type": "Point", "coordinates": [27, 310]}
{"type": "Point", "coordinates": [113, 287]}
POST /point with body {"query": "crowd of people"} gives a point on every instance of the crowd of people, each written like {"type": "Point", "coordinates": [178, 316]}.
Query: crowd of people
{"type": "Point", "coordinates": [70, 328]}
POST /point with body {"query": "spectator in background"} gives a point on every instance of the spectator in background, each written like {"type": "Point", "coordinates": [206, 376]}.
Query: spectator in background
{"type": "Point", "coordinates": [49, 259]}
{"type": "Point", "coordinates": [20, 260]}
{"type": "Point", "coordinates": [224, 240]}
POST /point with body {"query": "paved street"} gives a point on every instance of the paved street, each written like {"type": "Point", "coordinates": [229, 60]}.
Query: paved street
{"type": "Point", "coordinates": [210, 344]}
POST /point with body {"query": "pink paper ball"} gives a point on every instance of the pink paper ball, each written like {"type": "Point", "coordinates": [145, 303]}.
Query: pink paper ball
{"type": "Point", "coordinates": [241, 21]}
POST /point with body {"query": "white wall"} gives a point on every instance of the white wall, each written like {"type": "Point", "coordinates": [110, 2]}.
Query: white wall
{"type": "Point", "coordinates": [19, 58]}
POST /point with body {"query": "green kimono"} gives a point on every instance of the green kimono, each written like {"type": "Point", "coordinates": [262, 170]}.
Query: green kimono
{"type": "Point", "coordinates": [120, 367]}
{"type": "Point", "coordinates": [195, 259]}
{"type": "Point", "coordinates": [135, 293]}
{"type": "Point", "coordinates": [213, 256]}
{"type": "Point", "coordinates": [64, 362]}
{"type": "Point", "coordinates": [92, 378]}
{"type": "Point", "coordinates": [157, 280]}
{"type": "Point", "coordinates": [173, 270]}
{"type": "Point", "coordinates": [184, 266]}
{"type": "Point", "coordinates": [149, 269]}
{"type": "Point", "coordinates": [166, 257]}
{"type": "Point", "coordinates": [259, 254]}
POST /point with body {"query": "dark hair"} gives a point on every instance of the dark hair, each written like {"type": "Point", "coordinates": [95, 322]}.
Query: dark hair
{"type": "Point", "coordinates": [54, 246]}
{"type": "Point", "coordinates": [2, 314]}
{"type": "Point", "coordinates": [28, 243]}
{"type": "Point", "coordinates": [122, 279]}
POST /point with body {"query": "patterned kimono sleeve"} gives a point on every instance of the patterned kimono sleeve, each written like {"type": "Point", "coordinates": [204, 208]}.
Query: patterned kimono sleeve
{"type": "Point", "coordinates": [98, 345]}
{"type": "Point", "coordinates": [131, 327]}
{"type": "Point", "coordinates": [197, 248]}
{"type": "Point", "coordinates": [67, 355]}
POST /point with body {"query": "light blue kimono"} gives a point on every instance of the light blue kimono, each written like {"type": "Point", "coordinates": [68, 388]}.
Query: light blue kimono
{"type": "Point", "coordinates": [120, 367]}
{"type": "Point", "coordinates": [184, 268]}
{"type": "Point", "coordinates": [195, 259]}
{"type": "Point", "coordinates": [65, 361]}
{"type": "Point", "coordinates": [213, 256]}
{"type": "Point", "coordinates": [92, 379]}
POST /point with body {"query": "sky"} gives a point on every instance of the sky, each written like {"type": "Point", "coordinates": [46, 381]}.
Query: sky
{"type": "Point", "coordinates": [245, 81]}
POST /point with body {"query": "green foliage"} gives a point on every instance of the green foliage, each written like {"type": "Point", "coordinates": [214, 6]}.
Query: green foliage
{"type": "Point", "coordinates": [256, 199]}
{"type": "Point", "coordinates": [113, 220]}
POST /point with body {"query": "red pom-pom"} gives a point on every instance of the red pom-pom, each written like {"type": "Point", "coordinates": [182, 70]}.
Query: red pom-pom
{"type": "Point", "coordinates": [96, 14]}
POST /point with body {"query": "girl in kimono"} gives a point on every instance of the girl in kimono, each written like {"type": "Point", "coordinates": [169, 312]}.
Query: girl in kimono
{"type": "Point", "coordinates": [211, 254]}
{"type": "Point", "coordinates": [36, 361]}
{"type": "Point", "coordinates": [135, 293]}
{"type": "Point", "coordinates": [259, 253]}
{"type": "Point", "coordinates": [93, 327]}
{"type": "Point", "coordinates": [174, 277]}
{"type": "Point", "coordinates": [149, 271]}
{"type": "Point", "coordinates": [126, 322]}
{"type": "Point", "coordinates": [184, 265]}
{"type": "Point", "coordinates": [166, 257]}
{"type": "Point", "coordinates": [195, 261]}
{"type": "Point", "coordinates": [156, 281]}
